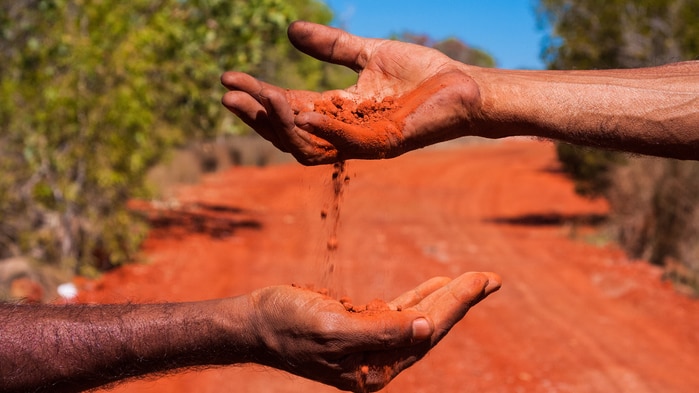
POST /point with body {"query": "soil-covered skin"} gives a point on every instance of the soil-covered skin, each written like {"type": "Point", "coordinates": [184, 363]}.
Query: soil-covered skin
{"type": "Point", "coordinates": [374, 305]}
{"type": "Point", "coordinates": [368, 129]}
{"type": "Point", "coordinates": [572, 315]}
{"type": "Point", "coordinates": [366, 112]}
{"type": "Point", "coordinates": [346, 301]}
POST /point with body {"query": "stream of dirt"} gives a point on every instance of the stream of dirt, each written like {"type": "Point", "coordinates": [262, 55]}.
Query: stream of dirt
{"type": "Point", "coordinates": [330, 215]}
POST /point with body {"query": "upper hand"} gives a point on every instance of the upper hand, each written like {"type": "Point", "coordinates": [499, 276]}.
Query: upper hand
{"type": "Point", "coordinates": [433, 99]}
{"type": "Point", "coordinates": [314, 336]}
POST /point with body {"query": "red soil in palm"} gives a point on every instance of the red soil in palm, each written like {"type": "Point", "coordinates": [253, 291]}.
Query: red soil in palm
{"type": "Point", "coordinates": [571, 316]}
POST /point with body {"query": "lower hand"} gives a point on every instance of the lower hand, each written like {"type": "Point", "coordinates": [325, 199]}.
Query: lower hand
{"type": "Point", "coordinates": [316, 337]}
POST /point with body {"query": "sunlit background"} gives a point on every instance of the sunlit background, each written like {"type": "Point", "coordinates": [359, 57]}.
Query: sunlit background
{"type": "Point", "coordinates": [507, 29]}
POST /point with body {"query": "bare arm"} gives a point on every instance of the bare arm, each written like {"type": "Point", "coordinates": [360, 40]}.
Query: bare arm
{"type": "Point", "coordinates": [72, 348]}
{"type": "Point", "coordinates": [651, 111]}
{"type": "Point", "coordinates": [433, 98]}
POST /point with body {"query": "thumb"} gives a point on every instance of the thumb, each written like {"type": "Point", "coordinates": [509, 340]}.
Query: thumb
{"type": "Point", "coordinates": [422, 329]}
{"type": "Point", "coordinates": [387, 330]}
{"type": "Point", "coordinates": [328, 44]}
{"type": "Point", "coordinates": [449, 304]}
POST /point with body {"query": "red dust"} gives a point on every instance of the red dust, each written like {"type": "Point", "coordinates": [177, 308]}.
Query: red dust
{"type": "Point", "coordinates": [339, 179]}
{"type": "Point", "coordinates": [374, 126]}
{"type": "Point", "coordinates": [347, 111]}
{"type": "Point", "coordinates": [376, 305]}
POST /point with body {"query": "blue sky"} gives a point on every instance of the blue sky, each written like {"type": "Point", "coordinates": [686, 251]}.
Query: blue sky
{"type": "Point", "coordinates": [507, 29]}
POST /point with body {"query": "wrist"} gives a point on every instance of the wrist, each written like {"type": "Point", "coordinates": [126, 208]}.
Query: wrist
{"type": "Point", "coordinates": [262, 311]}
{"type": "Point", "coordinates": [235, 319]}
{"type": "Point", "coordinates": [502, 110]}
{"type": "Point", "coordinates": [445, 106]}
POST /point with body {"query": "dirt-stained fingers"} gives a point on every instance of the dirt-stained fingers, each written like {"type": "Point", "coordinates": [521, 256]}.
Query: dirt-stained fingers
{"type": "Point", "coordinates": [449, 304]}
{"type": "Point", "coordinates": [281, 118]}
{"type": "Point", "coordinates": [415, 295]}
{"type": "Point", "coordinates": [241, 81]}
{"type": "Point", "coordinates": [427, 311]}
{"type": "Point", "coordinates": [298, 100]}
{"type": "Point", "coordinates": [376, 140]}
{"type": "Point", "coordinates": [252, 113]}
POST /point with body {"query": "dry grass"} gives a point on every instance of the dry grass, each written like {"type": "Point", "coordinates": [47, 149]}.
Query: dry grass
{"type": "Point", "coordinates": [655, 213]}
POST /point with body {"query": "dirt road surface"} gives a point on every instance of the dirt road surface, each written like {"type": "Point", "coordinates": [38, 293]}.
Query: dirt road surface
{"type": "Point", "coordinates": [572, 315]}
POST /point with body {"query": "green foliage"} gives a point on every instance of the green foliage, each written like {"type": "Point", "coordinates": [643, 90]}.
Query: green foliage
{"type": "Point", "coordinates": [589, 34]}
{"type": "Point", "coordinates": [283, 65]}
{"type": "Point", "coordinates": [94, 92]}
{"type": "Point", "coordinates": [655, 202]}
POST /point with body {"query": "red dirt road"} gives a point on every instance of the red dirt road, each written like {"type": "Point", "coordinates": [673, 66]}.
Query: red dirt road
{"type": "Point", "coordinates": [570, 317]}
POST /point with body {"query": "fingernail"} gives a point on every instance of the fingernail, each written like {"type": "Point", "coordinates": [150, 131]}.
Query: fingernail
{"type": "Point", "coordinates": [305, 126]}
{"type": "Point", "coordinates": [421, 329]}
{"type": "Point", "coordinates": [492, 286]}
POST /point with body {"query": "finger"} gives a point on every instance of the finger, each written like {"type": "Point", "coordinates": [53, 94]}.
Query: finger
{"type": "Point", "coordinates": [239, 81]}
{"type": "Point", "coordinates": [416, 295]}
{"type": "Point", "coordinates": [282, 119]}
{"type": "Point", "coordinates": [332, 130]}
{"type": "Point", "coordinates": [307, 148]}
{"type": "Point", "coordinates": [252, 113]}
{"type": "Point", "coordinates": [381, 139]}
{"type": "Point", "coordinates": [317, 151]}
{"type": "Point", "coordinates": [494, 282]}
{"type": "Point", "coordinates": [330, 44]}
{"type": "Point", "coordinates": [243, 82]}
{"type": "Point", "coordinates": [299, 100]}
{"type": "Point", "coordinates": [302, 100]}
{"type": "Point", "coordinates": [337, 132]}
{"type": "Point", "coordinates": [383, 330]}
{"type": "Point", "coordinates": [450, 304]}
{"type": "Point", "coordinates": [244, 106]}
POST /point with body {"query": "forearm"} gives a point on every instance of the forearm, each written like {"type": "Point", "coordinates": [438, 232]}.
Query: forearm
{"type": "Point", "coordinates": [72, 348]}
{"type": "Point", "coordinates": [650, 111]}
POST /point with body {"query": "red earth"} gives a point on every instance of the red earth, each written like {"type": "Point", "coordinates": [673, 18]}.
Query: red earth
{"type": "Point", "coordinates": [572, 315]}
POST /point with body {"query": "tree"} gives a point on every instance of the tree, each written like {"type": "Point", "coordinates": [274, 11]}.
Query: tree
{"type": "Point", "coordinates": [590, 34]}
{"type": "Point", "coordinates": [655, 202]}
{"type": "Point", "coordinates": [284, 65]}
{"type": "Point", "coordinates": [452, 47]}
{"type": "Point", "coordinates": [95, 92]}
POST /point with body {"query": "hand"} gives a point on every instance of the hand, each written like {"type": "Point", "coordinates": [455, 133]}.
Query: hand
{"type": "Point", "coordinates": [314, 336]}
{"type": "Point", "coordinates": [428, 97]}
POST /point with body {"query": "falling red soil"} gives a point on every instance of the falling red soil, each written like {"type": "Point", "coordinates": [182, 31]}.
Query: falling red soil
{"type": "Point", "coordinates": [571, 316]}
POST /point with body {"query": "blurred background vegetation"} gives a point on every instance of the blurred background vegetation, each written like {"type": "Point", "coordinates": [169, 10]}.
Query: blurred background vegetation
{"type": "Point", "coordinates": [100, 100]}
{"type": "Point", "coordinates": [105, 101]}
{"type": "Point", "coordinates": [654, 202]}
{"type": "Point", "coordinates": [94, 93]}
